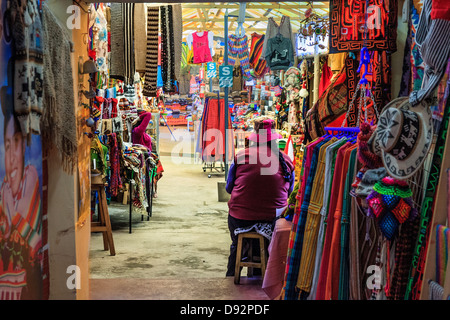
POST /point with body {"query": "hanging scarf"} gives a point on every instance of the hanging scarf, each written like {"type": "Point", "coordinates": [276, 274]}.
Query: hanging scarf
{"type": "Point", "coordinates": [151, 60]}
{"type": "Point", "coordinates": [167, 49]}
{"type": "Point", "coordinates": [256, 61]}
{"type": "Point", "coordinates": [114, 158]}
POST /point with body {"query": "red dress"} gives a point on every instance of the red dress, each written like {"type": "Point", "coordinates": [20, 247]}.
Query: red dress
{"type": "Point", "coordinates": [201, 50]}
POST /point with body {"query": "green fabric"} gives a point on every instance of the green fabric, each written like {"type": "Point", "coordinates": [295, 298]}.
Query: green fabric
{"type": "Point", "coordinates": [344, 280]}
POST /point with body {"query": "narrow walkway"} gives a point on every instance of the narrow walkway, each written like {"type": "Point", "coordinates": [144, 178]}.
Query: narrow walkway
{"type": "Point", "coordinates": [180, 253]}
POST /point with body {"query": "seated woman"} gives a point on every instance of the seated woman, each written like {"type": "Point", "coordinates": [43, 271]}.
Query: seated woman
{"type": "Point", "coordinates": [260, 180]}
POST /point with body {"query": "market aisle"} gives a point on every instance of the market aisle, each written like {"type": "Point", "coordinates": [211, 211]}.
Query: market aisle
{"type": "Point", "coordinates": [184, 246]}
{"type": "Point", "coordinates": [187, 235]}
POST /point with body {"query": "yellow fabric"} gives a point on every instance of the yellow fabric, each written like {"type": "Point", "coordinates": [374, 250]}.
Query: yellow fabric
{"type": "Point", "coordinates": [306, 268]}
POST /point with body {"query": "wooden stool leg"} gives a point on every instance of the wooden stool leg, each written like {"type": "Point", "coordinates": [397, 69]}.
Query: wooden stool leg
{"type": "Point", "coordinates": [108, 226]}
{"type": "Point", "coordinates": [250, 255]}
{"type": "Point", "coordinates": [262, 249]}
{"type": "Point", "coordinates": [237, 270]}
{"type": "Point", "coordinates": [101, 215]}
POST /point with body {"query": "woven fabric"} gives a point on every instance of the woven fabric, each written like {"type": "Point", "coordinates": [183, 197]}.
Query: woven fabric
{"type": "Point", "coordinates": [167, 49]}
{"type": "Point", "coordinates": [140, 36]}
{"type": "Point", "coordinates": [28, 65]}
{"type": "Point", "coordinates": [313, 219]}
{"type": "Point", "coordinates": [296, 253]}
{"type": "Point", "coordinates": [117, 54]}
{"type": "Point", "coordinates": [365, 154]}
{"type": "Point", "coordinates": [295, 220]}
{"type": "Point", "coordinates": [388, 225]}
{"type": "Point", "coordinates": [388, 187]}
{"type": "Point", "coordinates": [344, 271]}
{"type": "Point", "coordinates": [401, 211]}
{"type": "Point", "coordinates": [151, 56]}
{"type": "Point", "coordinates": [116, 181]}
{"type": "Point", "coordinates": [376, 208]}
{"type": "Point", "coordinates": [238, 50]}
{"type": "Point", "coordinates": [330, 160]}
{"type": "Point", "coordinates": [337, 183]}
{"type": "Point", "coordinates": [390, 201]}
{"type": "Point", "coordinates": [403, 258]}
{"type": "Point", "coordinates": [59, 118]}
{"type": "Point", "coordinates": [332, 277]}
{"type": "Point", "coordinates": [255, 59]}
{"type": "Point", "coordinates": [177, 21]}
{"type": "Point", "coordinates": [264, 229]}
{"type": "Point", "coordinates": [436, 290]}
{"type": "Point", "coordinates": [347, 18]}
{"type": "Point", "coordinates": [129, 61]}
{"type": "Point", "coordinates": [442, 247]}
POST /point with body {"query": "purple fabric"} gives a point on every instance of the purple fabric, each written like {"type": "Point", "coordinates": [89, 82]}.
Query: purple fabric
{"type": "Point", "coordinates": [256, 193]}
{"type": "Point", "coordinates": [139, 136]}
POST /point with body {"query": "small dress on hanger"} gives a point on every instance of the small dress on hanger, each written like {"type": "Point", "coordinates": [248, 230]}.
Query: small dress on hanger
{"type": "Point", "coordinates": [201, 47]}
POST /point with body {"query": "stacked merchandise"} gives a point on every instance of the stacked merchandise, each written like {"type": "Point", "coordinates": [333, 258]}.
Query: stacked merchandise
{"type": "Point", "coordinates": [118, 95]}
{"type": "Point", "coordinates": [178, 111]}
{"type": "Point", "coordinates": [243, 114]}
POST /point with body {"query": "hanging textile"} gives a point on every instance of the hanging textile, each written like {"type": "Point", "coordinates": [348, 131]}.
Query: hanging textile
{"type": "Point", "coordinates": [167, 49]}
{"type": "Point", "coordinates": [284, 29]}
{"type": "Point", "coordinates": [349, 18]}
{"type": "Point", "coordinates": [379, 78]}
{"type": "Point", "coordinates": [256, 60]}
{"type": "Point", "coordinates": [99, 44]}
{"type": "Point", "coordinates": [117, 57]}
{"type": "Point", "coordinates": [151, 55]}
{"type": "Point", "coordinates": [325, 78]}
{"type": "Point", "coordinates": [279, 53]}
{"type": "Point", "coordinates": [177, 20]}
{"type": "Point", "coordinates": [114, 158]}
{"type": "Point", "coordinates": [237, 78]}
{"type": "Point", "coordinates": [28, 47]}
{"type": "Point", "coordinates": [140, 36]}
{"type": "Point", "coordinates": [130, 65]}
{"type": "Point", "coordinates": [432, 37]}
{"type": "Point", "coordinates": [213, 131]}
{"type": "Point", "coordinates": [442, 248]}
{"type": "Point", "coordinates": [58, 93]}
{"type": "Point", "coordinates": [123, 65]}
{"type": "Point", "coordinates": [238, 50]}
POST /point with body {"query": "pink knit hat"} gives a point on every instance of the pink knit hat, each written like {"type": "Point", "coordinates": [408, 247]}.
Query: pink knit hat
{"type": "Point", "coordinates": [264, 131]}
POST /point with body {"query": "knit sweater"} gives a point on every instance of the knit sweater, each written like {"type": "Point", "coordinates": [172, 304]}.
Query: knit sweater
{"type": "Point", "coordinates": [279, 53]}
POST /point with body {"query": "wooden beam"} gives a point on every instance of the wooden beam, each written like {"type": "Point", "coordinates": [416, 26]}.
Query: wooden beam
{"type": "Point", "coordinates": [215, 17]}
{"type": "Point", "coordinates": [250, 5]}
{"type": "Point", "coordinates": [262, 19]}
{"type": "Point", "coordinates": [224, 4]}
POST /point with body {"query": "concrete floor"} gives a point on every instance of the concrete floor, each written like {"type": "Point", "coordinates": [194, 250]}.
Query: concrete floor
{"type": "Point", "coordinates": [182, 251]}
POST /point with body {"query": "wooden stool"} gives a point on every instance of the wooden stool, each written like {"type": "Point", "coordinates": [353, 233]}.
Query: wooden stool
{"type": "Point", "coordinates": [104, 225]}
{"type": "Point", "coordinates": [250, 264]}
